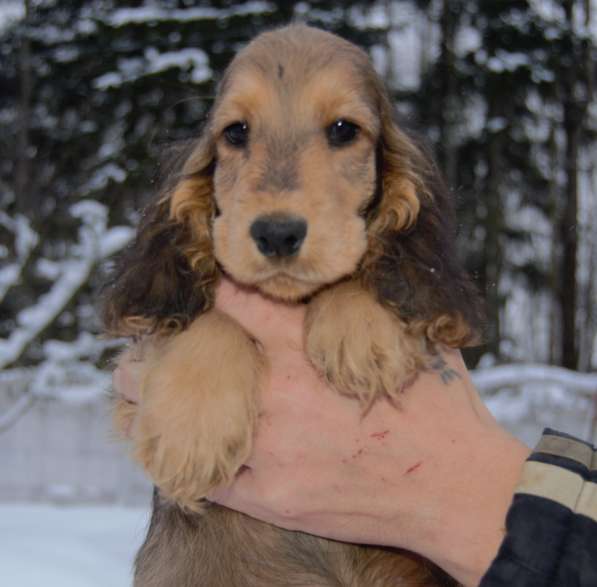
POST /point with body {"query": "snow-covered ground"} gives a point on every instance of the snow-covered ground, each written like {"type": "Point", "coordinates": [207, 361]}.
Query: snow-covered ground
{"type": "Point", "coordinates": [55, 546]}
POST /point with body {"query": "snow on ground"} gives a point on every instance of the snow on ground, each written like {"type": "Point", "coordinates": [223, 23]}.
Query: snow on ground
{"type": "Point", "coordinates": [55, 546]}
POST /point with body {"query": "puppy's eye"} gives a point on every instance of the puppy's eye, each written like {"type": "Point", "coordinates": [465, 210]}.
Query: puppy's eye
{"type": "Point", "coordinates": [237, 134]}
{"type": "Point", "coordinates": [341, 132]}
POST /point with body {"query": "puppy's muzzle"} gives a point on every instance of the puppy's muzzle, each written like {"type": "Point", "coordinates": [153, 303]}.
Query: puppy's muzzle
{"type": "Point", "coordinates": [278, 235]}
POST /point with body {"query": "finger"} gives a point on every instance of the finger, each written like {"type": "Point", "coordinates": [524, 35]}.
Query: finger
{"type": "Point", "coordinates": [260, 495]}
{"type": "Point", "coordinates": [124, 413]}
{"type": "Point", "coordinates": [248, 494]}
{"type": "Point", "coordinates": [264, 318]}
{"type": "Point", "coordinates": [240, 495]}
{"type": "Point", "coordinates": [125, 377]}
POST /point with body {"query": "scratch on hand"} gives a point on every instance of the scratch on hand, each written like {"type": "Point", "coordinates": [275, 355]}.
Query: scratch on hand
{"type": "Point", "coordinates": [413, 468]}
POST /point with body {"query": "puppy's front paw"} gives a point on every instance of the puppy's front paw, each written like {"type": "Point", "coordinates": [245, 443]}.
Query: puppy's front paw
{"type": "Point", "coordinates": [360, 347]}
{"type": "Point", "coordinates": [195, 422]}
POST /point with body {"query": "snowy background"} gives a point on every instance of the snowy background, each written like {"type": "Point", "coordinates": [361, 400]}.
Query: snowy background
{"type": "Point", "coordinates": [76, 546]}
{"type": "Point", "coordinates": [94, 93]}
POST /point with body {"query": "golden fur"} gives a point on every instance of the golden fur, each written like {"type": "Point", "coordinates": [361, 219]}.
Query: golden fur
{"type": "Point", "coordinates": [360, 347]}
{"type": "Point", "coordinates": [376, 267]}
{"type": "Point", "coordinates": [201, 436]}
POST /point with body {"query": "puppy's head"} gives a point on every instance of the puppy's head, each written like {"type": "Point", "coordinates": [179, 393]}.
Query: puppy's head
{"type": "Point", "coordinates": [301, 178]}
{"type": "Point", "coordinates": [295, 135]}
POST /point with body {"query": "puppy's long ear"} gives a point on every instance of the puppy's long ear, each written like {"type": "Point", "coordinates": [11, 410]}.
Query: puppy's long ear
{"type": "Point", "coordinates": [166, 276]}
{"type": "Point", "coordinates": [412, 263]}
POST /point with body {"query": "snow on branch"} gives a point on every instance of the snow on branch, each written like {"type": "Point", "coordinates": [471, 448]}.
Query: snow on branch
{"type": "Point", "coordinates": [153, 62]}
{"type": "Point", "coordinates": [25, 241]}
{"type": "Point", "coordinates": [96, 242]}
{"type": "Point", "coordinates": [125, 16]}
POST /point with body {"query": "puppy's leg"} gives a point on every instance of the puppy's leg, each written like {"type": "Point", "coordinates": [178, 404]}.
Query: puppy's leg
{"type": "Point", "coordinates": [360, 347]}
{"type": "Point", "coordinates": [198, 406]}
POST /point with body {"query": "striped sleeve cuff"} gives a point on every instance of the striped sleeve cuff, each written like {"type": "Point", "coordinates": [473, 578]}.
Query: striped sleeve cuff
{"type": "Point", "coordinates": [551, 527]}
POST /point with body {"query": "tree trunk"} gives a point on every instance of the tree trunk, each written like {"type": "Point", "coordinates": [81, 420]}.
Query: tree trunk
{"type": "Point", "coordinates": [448, 100]}
{"type": "Point", "coordinates": [554, 355]}
{"type": "Point", "coordinates": [574, 102]}
{"type": "Point", "coordinates": [22, 164]}
{"type": "Point", "coordinates": [494, 221]}
{"type": "Point", "coordinates": [569, 239]}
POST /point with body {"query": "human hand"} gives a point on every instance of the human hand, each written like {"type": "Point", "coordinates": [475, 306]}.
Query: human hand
{"type": "Point", "coordinates": [434, 474]}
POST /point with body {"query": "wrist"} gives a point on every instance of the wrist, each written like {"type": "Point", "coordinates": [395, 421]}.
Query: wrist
{"type": "Point", "coordinates": [467, 526]}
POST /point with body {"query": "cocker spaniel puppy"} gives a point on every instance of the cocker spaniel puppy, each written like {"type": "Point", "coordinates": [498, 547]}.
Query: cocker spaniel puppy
{"type": "Point", "coordinates": [303, 186]}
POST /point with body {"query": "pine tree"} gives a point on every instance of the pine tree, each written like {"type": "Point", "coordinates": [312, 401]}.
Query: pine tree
{"type": "Point", "coordinates": [575, 64]}
{"type": "Point", "coordinates": [493, 102]}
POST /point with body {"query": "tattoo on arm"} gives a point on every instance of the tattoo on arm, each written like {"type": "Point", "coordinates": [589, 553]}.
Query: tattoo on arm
{"type": "Point", "coordinates": [446, 372]}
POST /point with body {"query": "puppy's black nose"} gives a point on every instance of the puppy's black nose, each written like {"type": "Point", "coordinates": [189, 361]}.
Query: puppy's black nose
{"type": "Point", "coordinates": [278, 235]}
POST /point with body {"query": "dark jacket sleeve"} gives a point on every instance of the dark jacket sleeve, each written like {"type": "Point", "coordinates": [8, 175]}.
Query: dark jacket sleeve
{"type": "Point", "coordinates": [551, 527]}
